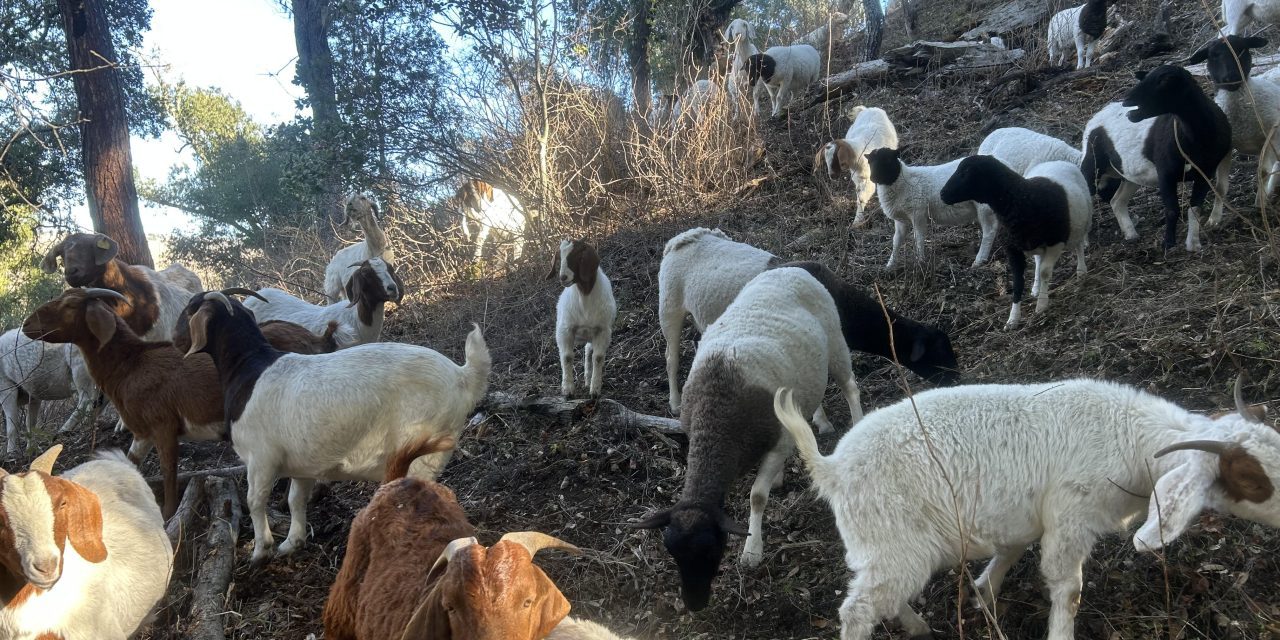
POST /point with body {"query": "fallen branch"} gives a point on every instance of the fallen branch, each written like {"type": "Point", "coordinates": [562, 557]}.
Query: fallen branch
{"type": "Point", "coordinates": [213, 577]}
{"type": "Point", "coordinates": [179, 524]}
{"type": "Point", "coordinates": [225, 472]}
{"type": "Point", "coordinates": [604, 411]}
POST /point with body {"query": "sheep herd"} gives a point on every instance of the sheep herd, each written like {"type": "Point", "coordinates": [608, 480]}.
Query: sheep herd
{"type": "Point", "coordinates": [959, 472]}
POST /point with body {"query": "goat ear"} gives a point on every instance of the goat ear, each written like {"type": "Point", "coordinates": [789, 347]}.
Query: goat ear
{"type": "Point", "coordinates": [101, 321]}
{"type": "Point", "coordinates": [429, 621]}
{"type": "Point", "coordinates": [554, 606]}
{"type": "Point", "coordinates": [1179, 497]}
{"type": "Point", "coordinates": [391, 271]}
{"type": "Point", "coordinates": [655, 520]}
{"type": "Point", "coordinates": [353, 292]}
{"type": "Point", "coordinates": [1253, 42]}
{"type": "Point", "coordinates": [198, 327]}
{"type": "Point", "coordinates": [555, 265]}
{"type": "Point", "coordinates": [50, 262]}
{"type": "Point", "coordinates": [1199, 56]}
{"type": "Point", "coordinates": [84, 522]}
{"type": "Point", "coordinates": [819, 157]}
{"type": "Point", "coordinates": [104, 249]}
{"type": "Point", "coordinates": [917, 350]}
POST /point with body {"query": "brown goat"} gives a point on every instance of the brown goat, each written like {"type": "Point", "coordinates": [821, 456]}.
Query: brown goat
{"type": "Point", "coordinates": [413, 571]}
{"type": "Point", "coordinates": [89, 260]}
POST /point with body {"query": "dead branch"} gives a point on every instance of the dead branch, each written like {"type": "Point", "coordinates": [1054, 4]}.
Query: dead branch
{"type": "Point", "coordinates": [603, 412]}
{"type": "Point", "coordinates": [213, 577]}
{"type": "Point", "coordinates": [954, 59]}
{"type": "Point", "coordinates": [179, 526]}
{"type": "Point", "coordinates": [225, 472]}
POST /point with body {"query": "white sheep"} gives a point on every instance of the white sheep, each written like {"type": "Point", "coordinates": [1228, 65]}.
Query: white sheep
{"type": "Point", "coordinates": [1252, 105]}
{"type": "Point", "coordinates": [871, 129]}
{"type": "Point", "coordinates": [578, 629]}
{"type": "Point", "coordinates": [1079, 27]}
{"type": "Point", "coordinates": [491, 209]}
{"type": "Point", "coordinates": [934, 480]}
{"type": "Point", "coordinates": [1239, 14]}
{"type": "Point", "coordinates": [1020, 149]}
{"type": "Point", "coordinates": [362, 213]}
{"type": "Point", "coordinates": [331, 416]}
{"type": "Point", "coordinates": [1175, 134]}
{"type": "Point", "coordinates": [1045, 212]}
{"type": "Point", "coordinates": [32, 371]}
{"type": "Point", "coordinates": [909, 195]}
{"type": "Point", "coordinates": [373, 284]}
{"type": "Point", "coordinates": [784, 72]}
{"type": "Point", "coordinates": [86, 554]}
{"type": "Point", "coordinates": [781, 330]}
{"type": "Point", "coordinates": [584, 314]}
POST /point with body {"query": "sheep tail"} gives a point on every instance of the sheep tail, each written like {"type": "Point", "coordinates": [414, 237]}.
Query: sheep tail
{"type": "Point", "coordinates": [330, 343]}
{"type": "Point", "coordinates": [784, 406]}
{"type": "Point", "coordinates": [476, 369]}
{"type": "Point", "coordinates": [398, 463]}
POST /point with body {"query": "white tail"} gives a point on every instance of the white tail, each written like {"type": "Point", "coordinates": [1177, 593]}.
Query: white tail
{"type": "Point", "coordinates": [477, 364]}
{"type": "Point", "coordinates": [784, 406]}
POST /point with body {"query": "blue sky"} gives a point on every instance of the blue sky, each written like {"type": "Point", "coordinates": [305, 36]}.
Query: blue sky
{"type": "Point", "coordinates": [244, 47]}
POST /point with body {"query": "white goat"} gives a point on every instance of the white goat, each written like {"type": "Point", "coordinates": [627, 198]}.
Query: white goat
{"type": "Point", "coordinates": [740, 34]}
{"type": "Point", "coordinates": [32, 371]}
{"type": "Point", "coordinates": [784, 72]}
{"type": "Point", "coordinates": [1239, 14]}
{"type": "Point", "coordinates": [910, 195]}
{"type": "Point", "coordinates": [1079, 26]}
{"type": "Point", "coordinates": [362, 213]}
{"type": "Point", "coordinates": [1092, 457]}
{"type": "Point", "coordinates": [584, 314]}
{"type": "Point", "coordinates": [86, 555]}
{"type": "Point", "coordinates": [331, 416]}
{"type": "Point", "coordinates": [871, 129]}
{"type": "Point", "coordinates": [490, 209]}
{"type": "Point", "coordinates": [579, 629]}
{"type": "Point", "coordinates": [373, 284]}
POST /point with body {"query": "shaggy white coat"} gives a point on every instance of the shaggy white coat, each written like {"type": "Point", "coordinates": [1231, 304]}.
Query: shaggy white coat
{"type": "Point", "coordinates": [1239, 14]}
{"type": "Point", "coordinates": [1254, 113]}
{"type": "Point", "coordinates": [1020, 149]}
{"type": "Point", "coordinates": [1061, 463]}
{"type": "Point", "coordinates": [578, 629]}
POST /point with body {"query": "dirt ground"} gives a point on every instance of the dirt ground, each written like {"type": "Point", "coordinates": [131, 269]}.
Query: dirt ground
{"type": "Point", "coordinates": [1180, 325]}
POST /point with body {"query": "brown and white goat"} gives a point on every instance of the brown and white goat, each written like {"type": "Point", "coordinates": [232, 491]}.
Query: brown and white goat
{"type": "Point", "coordinates": [584, 313]}
{"type": "Point", "coordinates": [490, 208]}
{"type": "Point", "coordinates": [414, 571]}
{"type": "Point", "coordinates": [84, 555]}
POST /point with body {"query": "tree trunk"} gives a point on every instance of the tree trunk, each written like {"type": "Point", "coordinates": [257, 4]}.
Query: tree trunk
{"type": "Point", "coordinates": [705, 36]}
{"type": "Point", "coordinates": [315, 73]}
{"type": "Point", "coordinates": [875, 29]}
{"type": "Point", "coordinates": [638, 56]}
{"type": "Point", "coordinates": [104, 129]}
{"type": "Point", "coordinates": [910, 16]}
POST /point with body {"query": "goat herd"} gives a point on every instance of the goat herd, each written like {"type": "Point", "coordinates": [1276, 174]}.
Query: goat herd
{"type": "Point", "coordinates": [309, 392]}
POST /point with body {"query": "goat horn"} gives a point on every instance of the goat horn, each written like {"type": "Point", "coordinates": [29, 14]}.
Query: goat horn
{"type": "Point", "coordinates": [96, 293]}
{"type": "Point", "coordinates": [218, 296]}
{"type": "Point", "coordinates": [241, 291]}
{"type": "Point", "coordinates": [1241, 405]}
{"type": "Point", "coordinates": [450, 549]}
{"type": "Point", "coordinates": [356, 264]}
{"type": "Point", "coordinates": [535, 541]}
{"type": "Point", "coordinates": [1212, 446]}
{"type": "Point", "coordinates": [44, 463]}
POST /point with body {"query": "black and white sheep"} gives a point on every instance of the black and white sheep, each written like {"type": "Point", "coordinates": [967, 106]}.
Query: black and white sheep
{"type": "Point", "coordinates": [784, 71]}
{"type": "Point", "coordinates": [1079, 27]}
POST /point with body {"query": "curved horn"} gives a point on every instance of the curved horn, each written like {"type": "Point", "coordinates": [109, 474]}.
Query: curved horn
{"type": "Point", "coordinates": [44, 463]}
{"type": "Point", "coordinates": [1241, 405]}
{"type": "Point", "coordinates": [450, 549]}
{"type": "Point", "coordinates": [241, 291]}
{"type": "Point", "coordinates": [218, 296]}
{"type": "Point", "coordinates": [1212, 446]}
{"type": "Point", "coordinates": [535, 541]}
{"type": "Point", "coordinates": [97, 293]}
{"type": "Point", "coordinates": [356, 264]}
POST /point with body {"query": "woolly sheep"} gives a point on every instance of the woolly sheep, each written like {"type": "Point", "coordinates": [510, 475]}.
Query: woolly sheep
{"type": "Point", "coordinates": [781, 330]}
{"type": "Point", "coordinates": [1252, 105]}
{"type": "Point", "coordinates": [32, 371]}
{"type": "Point", "coordinates": [1020, 149]}
{"type": "Point", "coordinates": [909, 195]}
{"type": "Point", "coordinates": [332, 416]}
{"type": "Point", "coordinates": [362, 213]}
{"type": "Point", "coordinates": [1239, 14]}
{"type": "Point", "coordinates": [1175, 134]}
{"type": "Point", "coordinates": [1080, 27]}
{"type": "Point", "coordinates": [491, 209]}
{"type": "Point", "coordinates": [1092, 457]}
{"type": "Point", "coordinates": [871, 129]}
{"type": "Point", "coordinates": [584, 314]}
{"type": "Point", "coordinates": [784, 72]}
{"type": "Point", "coordinates": [85, 553]}
{"type": "Point", "coordinates": [1045, 212]}
{"type": "Point", "coordinates": [373, 284]}
{"type": "Point", "coordinates": [702, 271]}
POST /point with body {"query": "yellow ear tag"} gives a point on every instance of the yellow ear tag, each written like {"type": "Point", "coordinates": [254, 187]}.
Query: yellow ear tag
{"type": "Point", "coordinates": [103, 244]}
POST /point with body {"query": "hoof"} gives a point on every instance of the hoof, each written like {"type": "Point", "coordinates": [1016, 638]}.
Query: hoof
{"type": "Point", "coordinates": [288, 548]}
{"type": "Point", "coordinates": [260, 560]}
{"type": "Point", "coordinates": [751, 559]}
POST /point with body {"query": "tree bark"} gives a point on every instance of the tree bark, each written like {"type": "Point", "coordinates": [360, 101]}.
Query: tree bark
{"type": "Point", "coordinates": [315, 73]}
{"type": "Point", "coordinates": [910, 17]}
{"type": "Point", "coordinates": [638, 56]}
{"type": "Point", "coordinates": [705, 36]}
{"type": "Point", "coordinates": [874, 29]}
{"type": "Point", "coordinates": [104, 129]}
{"type": "Point", "coordinates": [218, 559]}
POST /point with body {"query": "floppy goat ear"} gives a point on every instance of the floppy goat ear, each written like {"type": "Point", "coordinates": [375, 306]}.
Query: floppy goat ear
{"type": "Point", "coordinates": [50, 262]}
{"type": "Point", "coordinates": [101, 321]}
{"type": "Point", "coordinates": [198, 327]}
{"type": "Point", "coordinates": [84, 522]}
{"type": "Point", "coordinates": [391, 271]}
{"type": "Point", "coordinates": [430, 621]}
{"type": "Point", "coordinates": [1179, 497]}
{"type": "Point", "coordinates": [353, 291]}
{"type": "Point", "coordinates": [1199, 56]}
{"type": "Point", "coordinates": [104, 249]}
{"type": "Point", "coordinates": [555, 264]}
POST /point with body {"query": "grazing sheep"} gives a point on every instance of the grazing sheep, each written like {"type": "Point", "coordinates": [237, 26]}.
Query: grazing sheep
{"type": "Point", "coordinates": [331, 416]}
{"type": "Point", "coordinates": [1080, 26]}
{"type": "Point", "coordinates": [1252, 105]}
{"type": "Point", "coordinates": [373, 284]}
{"type": "Point", "coordinates": [584, 314]}
{"type": "Point", "coordinates": [32, 371]}
{"type": "Point", "coordinates": [871, 129]}
{"type": "Point", "coordinates": [490, 209]}
{"type": "Point", "coordinates": [702, 271]}
{"type": "Point", "coordinates": [784, 72]}
{"type": "Point", "coordinates": [414, 571]}
{"type": "Point", "coordinates": [782, 330]}
{"type": "Point", "coordinates": [1092, 457]}
{"type": "Point", "coordinates": [1175, 134]}
{"type": "Point", "coordinates": [1045, 212]}
{"type": "Point", "coordinates": [1239, 14]}
{"type": "Point", "coordinates": [84, 554]}
{"type": "Point", "coordinates": [362, 213]}
{"type": "Point", "coordinates": [909, 195]}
